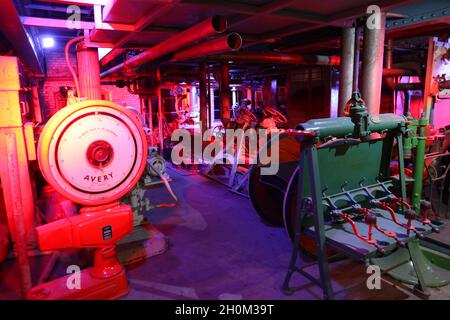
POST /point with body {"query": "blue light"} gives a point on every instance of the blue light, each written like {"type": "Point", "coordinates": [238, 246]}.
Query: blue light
{"type": "Point", "coordinates": [48, 42]}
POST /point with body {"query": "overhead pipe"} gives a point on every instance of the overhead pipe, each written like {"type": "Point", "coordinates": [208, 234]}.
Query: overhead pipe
{"type": "Point", "coordinates": [280, 58]}
{"type": "Point", "coordinates": [232, 41]}
{"type": "Point", "coordinates": [398, 72]}
{"type": "Point", "coordinates": [202, 30]}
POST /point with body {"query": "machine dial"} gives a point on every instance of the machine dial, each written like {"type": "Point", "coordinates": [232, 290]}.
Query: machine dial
{"type": "Point", "coordinates": [93, 152]}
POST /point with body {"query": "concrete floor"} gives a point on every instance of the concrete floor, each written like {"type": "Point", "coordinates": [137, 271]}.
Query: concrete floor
{"type": "Point", "coordinates": [220, 249]}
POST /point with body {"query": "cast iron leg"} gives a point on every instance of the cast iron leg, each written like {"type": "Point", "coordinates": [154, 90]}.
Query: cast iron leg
{"type": "Point", "coordinates": [293, 262]}
{"type": "Point", "coordinates": [319, 226]}
{"type": "Point", "coordinates": [421, 286]}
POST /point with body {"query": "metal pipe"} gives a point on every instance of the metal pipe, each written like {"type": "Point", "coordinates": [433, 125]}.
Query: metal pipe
{"type": "Point", "coordinates": [203, 100]}
{"type": "Point", "coordinates": [373, 64]}
{"type": "Point", "coordinates": [393, 79]}
{"type": "Point", "coordinates": [397, 72]}
{"type": "Point", "coordinates": [346, 69]}
{"type": "Point", "coordinates": [208, 95]}
{"type": "Point", "coordinates": [202, 30]}
{"type": "Point", "coordinates": [88, 72]}
{"type": "Point", "coordinates": [356, 59]}
{"type": "Point", "coordinates": [232, 41]}
{"type": "Point", "coordinates": [69, 65]}
{"type": "Point", "coordinates": [160, 112]}
{"type": "Point", "coordinates": [224, 93]}
{"type": "Point", "coordinates": [419, 165]}
{"type": "Point", "coordinates": [279, 58]}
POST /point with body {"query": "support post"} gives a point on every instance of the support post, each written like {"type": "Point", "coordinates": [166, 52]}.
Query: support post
{"type": "Point", "coordinates": [428, 102]}
{"type": "Point", "coordinates": [224, 94]}
{"type": "Point", "coordinates": [319, 223]}
{"type": "Point", "coordinates": [160, 112]}
{"type": "Point", "coordinates": [346, 68]}
{"type": "Point", "coordinates": [373, 63]}
{"type": "Point", "coordinates": [419, 165]}
{"type": "Point", "coordinates": [203, 100]}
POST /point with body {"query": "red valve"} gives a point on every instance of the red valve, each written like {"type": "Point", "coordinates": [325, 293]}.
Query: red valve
{"type": "Point", "coordinates": [387, 233]}
{"type": "Point", "coordinates": [409, 227]}
{"type": "Point", "coordinates": [370, 220]}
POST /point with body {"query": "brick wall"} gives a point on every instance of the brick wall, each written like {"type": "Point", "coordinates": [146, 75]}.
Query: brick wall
{"type": "Point", "coordinates": [58, 75]}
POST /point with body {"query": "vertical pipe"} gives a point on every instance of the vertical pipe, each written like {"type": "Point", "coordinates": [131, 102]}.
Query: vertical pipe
{"type": "Point", "coordinates": [233, 96]}
{"type": "Point", "coordinates": [253, 96]}
{"type": "Point", "coordinates": [160, 113]}
{"type": "Point", "coordinates": [373, 64]}
{"type": "Point", "coordinates": [388, 65]}
{"type": "Point", "coordinates": [224, 93]}
{"type": "Point", "coordinates": [356, 59]}
{"type": "Point", "coordinates": [427, 100]}
{"type": "Point", "coordinates": [88, 72]}
{"type": "Point", "coordinates": [346, 69]}
{"type": "Point", "coordinates": [148, 104]}
{"type": "Point", "coordinates": [203, 100]}
{"type": "Point", "coordinates": [212, 106]}
{"type": "Point", "coordinates": [208, 83]}
{"type": "Point", "coordinates": [419, 165]}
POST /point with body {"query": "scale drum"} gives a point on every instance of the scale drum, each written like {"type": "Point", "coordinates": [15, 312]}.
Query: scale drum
{"type": "Point", "coordinates": [93, 152]}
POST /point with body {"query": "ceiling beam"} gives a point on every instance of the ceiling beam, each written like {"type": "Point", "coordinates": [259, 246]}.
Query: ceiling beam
{"type": "Point", "coordinates": [338, 19]}
{"type": "Point", "coordinates": [140, 25]}
{"type": "Point", "coordinates": [271, 9]}
{"type": "Point", "coordinates": [54, 8]}
{"type": "Point", "coordinates": [81, 2]}
{"type": "Point", "coordinates": [13, 30]}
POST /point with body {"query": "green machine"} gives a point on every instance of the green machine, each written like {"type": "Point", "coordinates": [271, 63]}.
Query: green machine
{"type": "Point", "coordinates": [348, 202]}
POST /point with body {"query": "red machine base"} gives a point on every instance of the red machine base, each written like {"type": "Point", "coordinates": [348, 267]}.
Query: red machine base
{"type": "Point", "coordinates": [90, 288]}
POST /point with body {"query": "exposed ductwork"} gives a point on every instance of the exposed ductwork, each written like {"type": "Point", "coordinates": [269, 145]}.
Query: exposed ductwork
{"type": "Point", "coordinates": [280, 58]}
{"type": "Point", "coordinates": [232, 41]}
{"type": "Point", "coordinates": [201, 31]}
{"type": "Point", "coordinates": [11, 27]}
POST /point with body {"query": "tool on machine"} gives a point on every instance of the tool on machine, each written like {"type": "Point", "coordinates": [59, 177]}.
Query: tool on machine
{"type": "Point", "coordinates": [93, 153]}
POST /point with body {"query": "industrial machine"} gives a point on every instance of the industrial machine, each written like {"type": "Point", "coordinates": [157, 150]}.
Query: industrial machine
{"type": "Point", "coordinates": [329, 207]}
{"type": "Point", "coordinates": [93, 153]}
{"type": "Point", "coordinates": [234, 170]}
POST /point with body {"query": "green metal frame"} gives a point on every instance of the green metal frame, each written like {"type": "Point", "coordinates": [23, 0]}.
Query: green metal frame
{"type": "Point", "coordinates": [323, 187]}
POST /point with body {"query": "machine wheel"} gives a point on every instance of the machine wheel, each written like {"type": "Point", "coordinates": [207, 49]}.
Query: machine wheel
{"type": "Point", "coordinates": [267, 200]}
{"type": "Point", "coordinates": [267, 192]}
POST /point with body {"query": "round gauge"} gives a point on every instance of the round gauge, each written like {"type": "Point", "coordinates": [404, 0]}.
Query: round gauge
{"type": "Point", "coordinates": [93, 152]}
